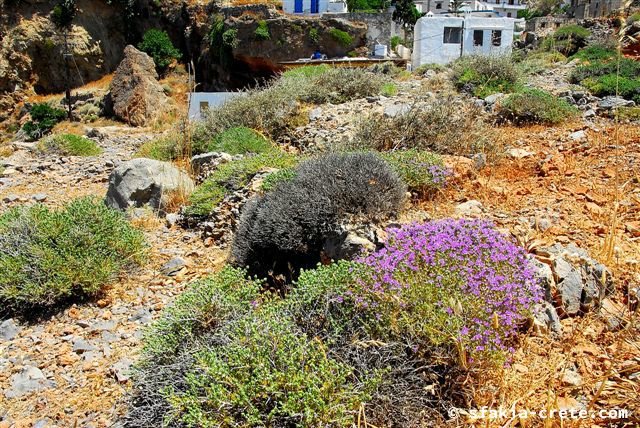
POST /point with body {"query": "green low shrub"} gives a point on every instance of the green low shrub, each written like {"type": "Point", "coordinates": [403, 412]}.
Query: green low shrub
{"type": "Point", "coordinates": [539, 61]}
{"type": "Point", "coordinates": [69, 145]}
{"type": "Point", "coordinates": [307, 71]}
{"type": "Point", "coordinates": [239, 140]}
{"type": "Point", "coordinates": [610, 84]}
{"type": "Point", "coordinates": [281, 176]}
{"type": "Point", "coordinates": [157, 44]}
{"type": "Point", "coordinates": [485, 75]}
{"type": "Point", "coordinates": [422, 70]}
{"type": "Point", "coordinates": [166, 149]}
{"type": "Point", "coordinates": [262, 31]}
{"type": "Point", "coordinates": [619, 76]}
{"type": "Point", "coordinates": [389, 89]}
{"type": "Point", "coordinates": [422, 171]}
{"type": "Point", "coordinates": [596, 53]}
{"type": "Point", "coordinates": [343, 38]}
{"type": "Point", "coordinates": [232, 176]}
{"type": "Point", "coordinates": [395, 41]}
{"type": "Point", "coordinates": [535, 106]}
{"type": "Point", "coordinates": [43, 119]}
{"type": "Point", "coordinates": [51, 256]}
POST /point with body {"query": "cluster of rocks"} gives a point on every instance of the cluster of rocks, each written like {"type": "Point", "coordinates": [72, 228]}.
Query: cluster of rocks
{"type": "Point", "coordinates": [574, 284]}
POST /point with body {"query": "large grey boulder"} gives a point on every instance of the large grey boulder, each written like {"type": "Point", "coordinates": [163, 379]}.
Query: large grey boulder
{"type": "Point", "coordinates": [136, 95]}
{"type": "Point", "coordinates": [29, 379]}
{"type": "Point", "coordinates": [141, 182]}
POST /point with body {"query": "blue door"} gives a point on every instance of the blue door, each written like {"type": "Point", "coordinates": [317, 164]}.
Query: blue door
{"type": "Point", "coordinates": [314, 6]}
{"type": "Point", "coordinates": [297, 8]}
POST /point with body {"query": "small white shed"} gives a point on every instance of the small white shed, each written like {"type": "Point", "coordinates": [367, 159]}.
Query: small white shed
{"type": "Point", "coordinates": [201, 101]}
{"type": "Point", "coordinates": [442, 39]}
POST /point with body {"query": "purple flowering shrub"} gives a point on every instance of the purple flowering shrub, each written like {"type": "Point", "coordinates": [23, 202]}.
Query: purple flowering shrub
{"type": "Point", "coordinates": [450, 281]}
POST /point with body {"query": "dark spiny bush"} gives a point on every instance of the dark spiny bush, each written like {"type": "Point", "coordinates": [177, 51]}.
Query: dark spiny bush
{"type": "Point", "coordinates": [535, 106]}
{"type": "Point", "coordinates": [48, 257]}
{"type": "Point", "coordinates": [445, 126]}
{"type": "Point", "coordinates": [567, 39]}
{"type": "Point", "coordinates": [43, 119]}
{"type": "Point", "coordinates": [485, 75]}
{"type": "Point", "coordinates": [285, 230]}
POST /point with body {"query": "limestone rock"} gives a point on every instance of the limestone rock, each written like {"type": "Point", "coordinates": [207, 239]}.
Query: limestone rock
{"type": "Point", "coordinates": [29, 379]}
{"type": "Point", "coordinates": [8, 330]}
{"type": "Point", "coordinates": [351, 240]}
{"type": "Point", "coordinates": [141, 181]}
{"type": "Point", "coordinates": [136, 94]}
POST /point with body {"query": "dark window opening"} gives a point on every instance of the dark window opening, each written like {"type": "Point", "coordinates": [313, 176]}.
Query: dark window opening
{"type": "Point", "coordinates": [509, 15]}
{"type": "Point", "coordinates": [204, 105]}
{"type": "Point", "coordinates": [496, 37]}
{"type": "Point", "coordinates": [438, 5]}
{"type": "Point", "coordinates": [452, 35]}
{"type": "Point", "coordinates": [477, 37]}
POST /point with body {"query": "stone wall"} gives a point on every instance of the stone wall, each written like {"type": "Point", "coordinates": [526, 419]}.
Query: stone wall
{"type": "Point", "coordinates": [380, 26]}
{"type": "Point", "coordinates": [546, 25]}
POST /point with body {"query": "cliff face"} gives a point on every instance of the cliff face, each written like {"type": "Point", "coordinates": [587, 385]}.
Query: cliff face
{"type": "Point", "coordinates": [31, 52]}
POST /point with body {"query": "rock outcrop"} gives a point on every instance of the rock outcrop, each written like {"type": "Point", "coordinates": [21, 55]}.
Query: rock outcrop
{"type": "Point", "coordinates": [136, 95]}
{"type": "Point", "coordinates": [141, 182]}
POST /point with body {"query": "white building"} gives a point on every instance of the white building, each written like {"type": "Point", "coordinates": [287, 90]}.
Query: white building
{"type": "Point", "coordinates": [314, 7]}
{"type": "Point", "coordinates": [199, 102]}
{"type": "Point", "coordinates": [499, 8]}
{"type": "Point", "coordinates": [442, 39]}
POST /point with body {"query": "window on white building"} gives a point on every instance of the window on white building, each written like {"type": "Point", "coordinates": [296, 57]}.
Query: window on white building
{"type": "Point", "coordinates": [452, 35]}
{"type": "Point", "coordinates": [496, 37]}
{"type": "Point", "coordinates": [438, 5]}
{"type": "Point", "coordinates": [509, 15]}
{"type": "Point", "coordinates": [477, 37]}
{"type": "Point", "coordinates": [204, 105]}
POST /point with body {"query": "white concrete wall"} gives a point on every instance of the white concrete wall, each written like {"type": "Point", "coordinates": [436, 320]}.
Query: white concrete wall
{"type": "Point", "coordinates": [200, 101]}
{"type": "Point", "coordinates": [429, 46]}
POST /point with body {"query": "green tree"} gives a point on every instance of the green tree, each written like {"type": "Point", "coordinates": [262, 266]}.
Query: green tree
{"type": "Point", "coordinates": [63, 13]}
{"type": "Point", "coordinates": [406, 14]}
{"type": "Point", "coordinates": [158, 45]}
{"type": "Point", "coordinates": [456, 6]}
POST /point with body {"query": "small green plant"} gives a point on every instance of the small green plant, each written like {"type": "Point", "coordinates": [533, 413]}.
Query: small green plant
{"type": "Point", "coordinates": [163, 149]}
{"type": "Point", "coordinates": [281, 176]}
{"type": "Point", "coordinates": [307, 71]}
{"type": "Point", "coordinates": [43, 119]}
{"type": "Point", "coordinates": [262, 31]}
{"type": "Point", "coordinates": [231, 176]}
{"type": "Point", "coordinates": [485, 75]}
{"type": "Point", "coordinates": [631, 114]}
{"type": "Point", "coordinates": [314, 36]}
{"type": "Point", "coordinates": [395, 41]}
{"type": "Point", "coordinates": [535, 106]}
{"type": "Point", "coordinates": [239, 140]}
{"type": "Point", "coordinates": [389, 89]}
{"type": "Point", "coordinates": [422, 70]}
{"type": "Point", "coordinates": [230, 38]}
{"type": "Point", "coordinates": [539, 61]}
{"type": "Point", "coordinates": [69, 145]}
{"type": "Point", "coordinates": [63, 13]}
{"type": "Point", "coordinates": [422, 171]}
{"type": "Point", "coordinates": [158, 45]}
{"type": "Point", "coordinates": [48, 257]}
{"type": "Point", "coordinates": [613, 77]}
{"type": "Point", "coordinates": [596, 53]}
{"type": "Point", "coordinates": [343, 38]}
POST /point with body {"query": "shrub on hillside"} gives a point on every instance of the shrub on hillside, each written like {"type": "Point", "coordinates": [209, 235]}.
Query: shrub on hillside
{"type": "Point", "coordinates": [535, 106]}
{"type": "Point", "coordinates": [157, 44]}
{"type": "Point", "coordinates": [48, 257]}
{"type": "Point", "coordinates": [596, 53]}
{"type": "Point", "coordinates": [539, 61]}
{"type": "Point", "coordinates": [377, 332]}
{"type": "Point", "coordinates": [43, 119]}
{"type": "Point", "coordinates": [262, 31]}
{"type": "Point", "coordinates": [285, 230]}
{"type": "Point", "coordinates": [232, 176]}
{"type": "Point", "coordinates": [238, 140]}
{"type": "Point", "coordinates": [276, 108]}
{"type": "Point", "coordinates": [485, 75]}
{"type": "Point", "coordinates": [69, 145]}
{"type": "Point", "coordinates": [167, 148]}
{"type": "Point", "coordinates": [343, 38]}
{"type": "Point", "coordinates": [567, 39]}
{"type": "Point", "coordinates": [455, 282]}
{"type": "Point", "coordinates": [444, 126]}
{"type": "Point", "coordinates": [282, 175]}
{"type": "Point", "coordinates": [614, 77]}
{"type": "Point", "coordinates": [421, 171]}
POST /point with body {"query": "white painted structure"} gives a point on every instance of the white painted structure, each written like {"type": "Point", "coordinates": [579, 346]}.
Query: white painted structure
{"type": "Point", "coordinates": [442, 39]}
{"type": "Point", "coordinates": [499, 8]}
{"type": "Point", "coordinates": [314, 7]}
{"type": "Point", "coordinates": [199, 102]}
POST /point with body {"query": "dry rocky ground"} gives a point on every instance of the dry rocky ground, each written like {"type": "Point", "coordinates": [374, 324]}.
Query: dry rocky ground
{"type": "Point", "coordinates": [576, 183]}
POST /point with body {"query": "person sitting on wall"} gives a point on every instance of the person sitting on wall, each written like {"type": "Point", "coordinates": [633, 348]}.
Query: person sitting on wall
{"type": "Point", "coordinates": [316, 55]}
